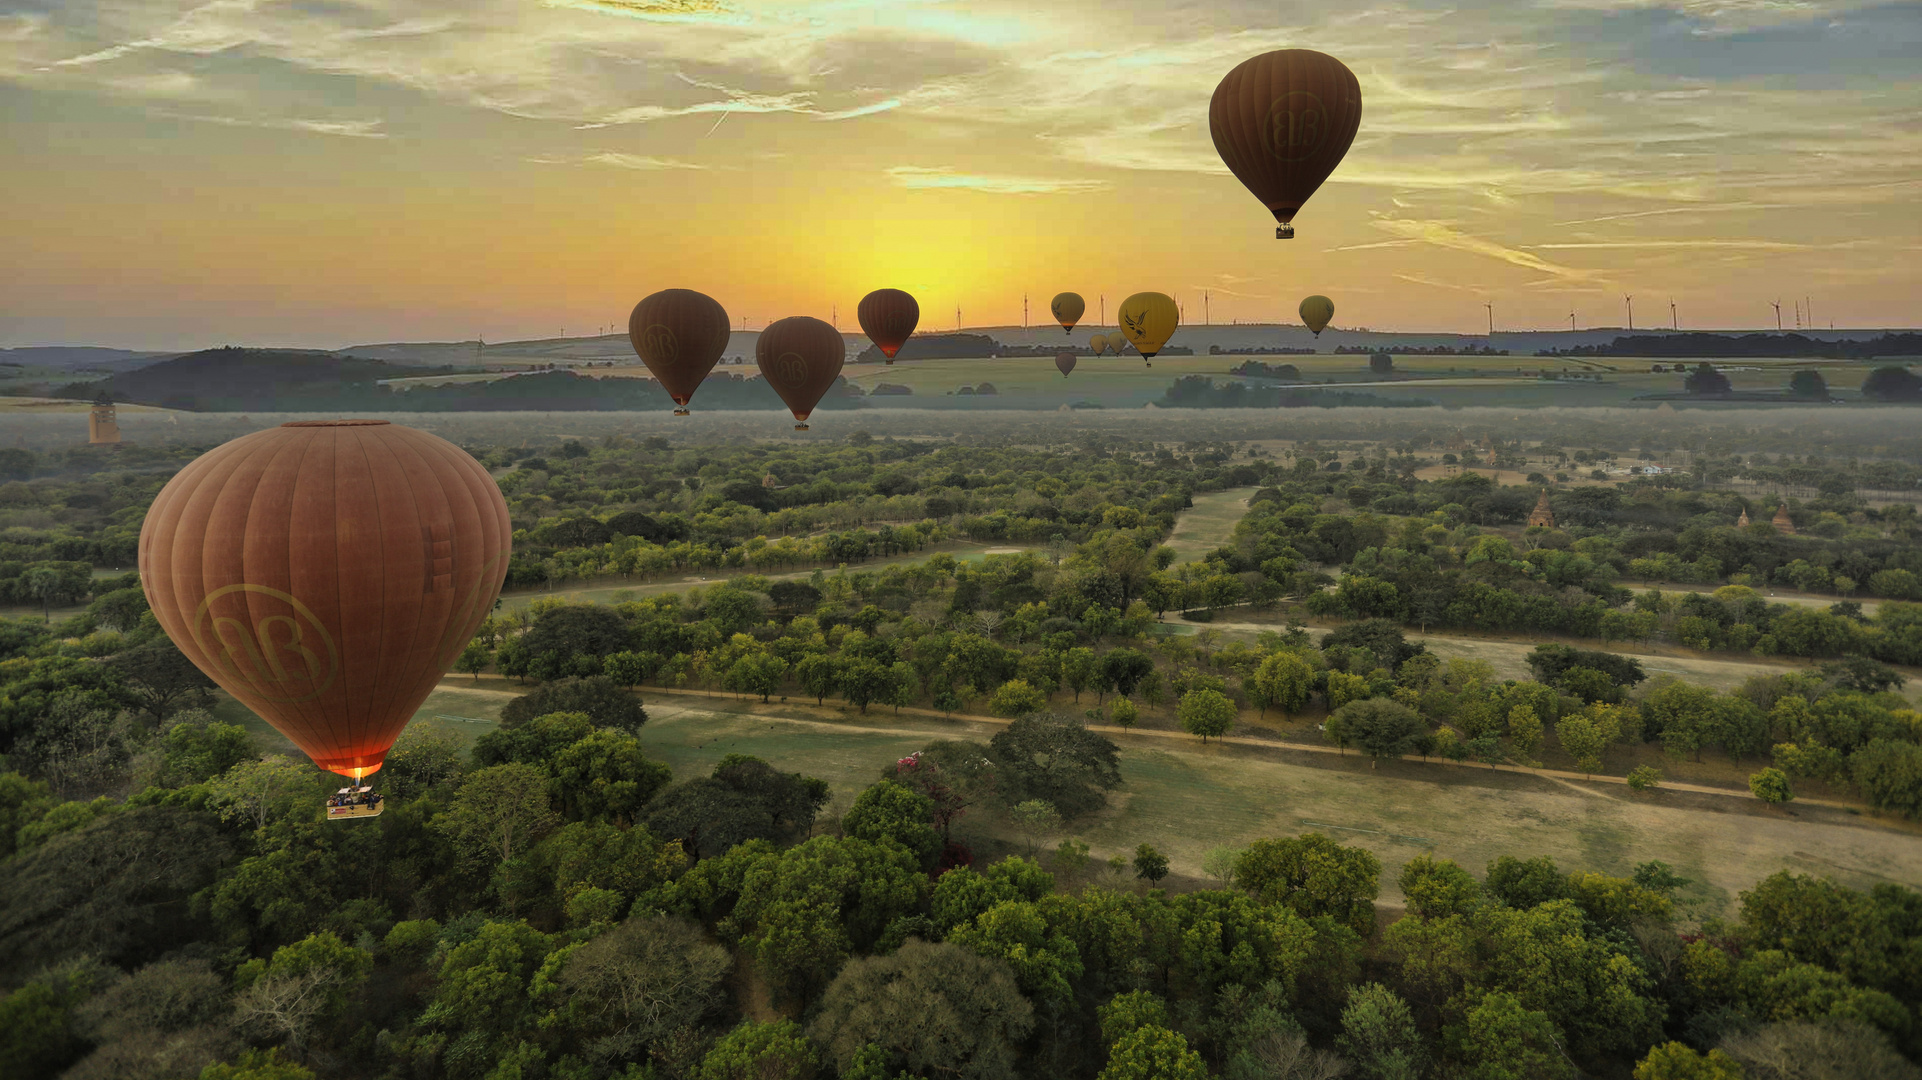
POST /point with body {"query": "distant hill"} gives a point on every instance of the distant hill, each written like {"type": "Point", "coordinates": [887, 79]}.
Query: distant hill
{"type": "Point", "coordinates": [78, 357]}
{"type": "Point", "coordinates": [250, 380]}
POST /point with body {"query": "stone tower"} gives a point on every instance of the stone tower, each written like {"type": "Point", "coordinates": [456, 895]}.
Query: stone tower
{"type": "Point", "coordinates": [1782, 523]}
{"type": "Point", "coordinates": [1542, 515]}
{"type": "Point", "coordinates": [101, 426]}
{"type": "Point", "coordinates": [1742, 522]}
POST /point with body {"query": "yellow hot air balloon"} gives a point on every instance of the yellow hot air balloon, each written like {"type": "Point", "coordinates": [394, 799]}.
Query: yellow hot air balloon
{"type": "Point", "coordinates": [1098, 343]}
{"type": "Point", "coordinates": [1316, 311]}
{"type": "Point", "coordinates": [1149, 319]}
{"type": "Point", "coordinates": [1116, 343]}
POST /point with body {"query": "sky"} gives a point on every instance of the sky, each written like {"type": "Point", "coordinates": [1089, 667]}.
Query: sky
{"type": "Point", "coordinates": [320, 173]}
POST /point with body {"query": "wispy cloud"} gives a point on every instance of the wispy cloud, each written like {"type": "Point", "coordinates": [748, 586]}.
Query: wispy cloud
{"type": "Point", "coordinates": [914, 176]}
{"type": "Point", "coordinates": [1750, 245]}
{"type": "Point", "coordinates": [353, 129]}
{"type": "Point", "coordinates": [1444, 234]}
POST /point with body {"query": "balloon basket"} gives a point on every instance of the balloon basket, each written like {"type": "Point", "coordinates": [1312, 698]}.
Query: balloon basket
{"type": "Point", "coordinates": [682, 412]}
{"type": "Point", "coordinates": [349, 802]}
{"type": "Point", "coordinates": [1284, 232]}
{"type": "Point", "coordinates": [800, 427]}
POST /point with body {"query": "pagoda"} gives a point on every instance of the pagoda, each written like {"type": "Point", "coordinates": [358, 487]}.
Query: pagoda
{"type": "Point", "coordinates": [1542, 516]}
{"type": "Point", "coordinates": [1782, 523]}
{"type": "Point", "coordinates": [1742, 522]}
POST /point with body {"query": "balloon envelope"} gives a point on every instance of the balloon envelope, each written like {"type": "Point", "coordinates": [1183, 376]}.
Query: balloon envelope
{"type": "Point", "coordinates": [1149, 319]}
{"type": "Point", "coordinates": [1068, 308]}
{"type": "Point", "coordinates": [1282, 121]}
{"type": "Point", "coordinates": [888, 317]}
{"type": "Point", "coordinates": [1064, 361]}
{"type": "Point", "coordinates": [326, 573]}
{"type": "Point", "coordinates": [1316, 311]}
{"type": "Point", "coordinates": [800, 357]}
{"type": "Point", "coordinates": [679, 334]}
{"type": "Point", "coordinates": [1098, 343]}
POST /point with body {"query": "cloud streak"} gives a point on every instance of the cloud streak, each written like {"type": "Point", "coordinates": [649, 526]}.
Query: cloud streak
{"type": "Point", "coordinates": [920, 178]}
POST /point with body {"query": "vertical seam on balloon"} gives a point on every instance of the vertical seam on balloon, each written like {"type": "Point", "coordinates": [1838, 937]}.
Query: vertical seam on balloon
{"type": "Point", "coordinates": [339, 435]}
{"type": "Point", "coordinates": [453, 534]}
{"type": "Point", "coordinates": [300, 446]}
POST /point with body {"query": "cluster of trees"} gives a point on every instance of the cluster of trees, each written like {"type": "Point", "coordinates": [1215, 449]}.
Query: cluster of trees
{"type": "Point", "coordinates": [557, 906]}
{"type": "Point", "coordinates": [1203, 392]}
{"type": "Point", "coordinates": [1697, 344]}
{"type": "Point", "coordinates": [1420, 350]}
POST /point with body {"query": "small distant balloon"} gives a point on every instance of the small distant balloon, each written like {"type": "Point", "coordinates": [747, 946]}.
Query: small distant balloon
{"type": "Point", "coordinates": [1068, 308]}
{"type": "Point", "coordinates": [1149, 319]}
{"type": "Point", "coordinates": [1098, 343]}
{"type": "Point", "coordinates": [1116, 343]}
{"type": "Point", "coordinates": [800, 358]}
{"type": "Point", "coordinates": [888, 317]}
{"type": "Point", "coordinates": [680, 335]}
{"type": "Point", "coordinates": [1064, 361]}
{"type": "Point", "coordinates": [1316, 311]}
{"type": "Point", "coordinates": [1281, 122]}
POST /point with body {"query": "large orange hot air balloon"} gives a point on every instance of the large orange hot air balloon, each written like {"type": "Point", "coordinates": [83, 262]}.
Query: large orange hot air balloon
{"type": "Point", "coordinates": [1281, 122]}
{"type": "Point", "coordinates": [326, 573]}
{"type": "Point", "coordinates": [800, 358]}
{"type": "Point", "coordinates": [888, 318]}
{"type": "Point", "coordinates": [1067, 308]}
{"type": "Point", "coordinates": [1064, 361]}
{"type": "Point", "coordinates": [678, 334]}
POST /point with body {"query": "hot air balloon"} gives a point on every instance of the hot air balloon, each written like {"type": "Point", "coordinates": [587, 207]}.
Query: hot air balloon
{"type": "Point", "coordinates": [1064, 361]}
{"type": "Point", "coordinates": [800, 358]}
{"type": "Point", "coordinates": [888, 317]}
{"type": "Point", "coordinates": [1098, 343]}
{"type": "Point", "coordinates": [1149, 319]}
{"type": "Point", "coordinates": [326, 573]}
{"type": "Point", "coordinates": [1316, 311]}
{"type": "Point", "coordinates": [1068, 308]}
{"type": "Point", "coordinates": [678, 334]}
{"type": "Point", "coordinates": [1116, 343]}
{"type": "Point", "coordinates": [1281, 123]}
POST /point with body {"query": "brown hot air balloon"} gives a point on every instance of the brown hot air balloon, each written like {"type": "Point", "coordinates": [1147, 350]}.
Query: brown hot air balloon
{"type": "Point", "coordinates": [1064, 361]}
{"type": "Point", "coordinates": [1281, 122]}
{"type": "Point", "coordinates": [1068, 308]}
{"type": "Point", "coordinates": [326, 573]}
{"type": "Point", "coordinates": [888, 317]}
{"type": "Point", "coordinates": [678, 334]}
{"type": "Point", "coordinates": [800, 358]}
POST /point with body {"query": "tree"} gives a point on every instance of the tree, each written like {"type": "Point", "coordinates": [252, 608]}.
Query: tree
{"type": "Point", "coordinates": [1219, 863]}
{"type": "Point", "coordinates": [1584, 737]}
{"type": "Point", "coordinates": [1205, 712]}
{"type": "Point", "coordinates": [1153, 1052]}
{"type": "Point", "coordinates": [1892, 383]}
{"type": "Point", "coordinates": [1016, 698]}
{"type": "Point", "coordinates": [1150, 865]}
{"type": "Point", "coordinates": [1706, 380]}
{"type": "Point", "coordinates": [1644, 777]}
{"type": "Point", "coordinates": [500, 812]}
{"type": "Point", "coordinates": [603, 701]}
{"type": "Point", "coordinates": [1313, 875]}
{"type": "Point", "coordinates": [1283, 680]}
{"type": "Point", "coordinates": [1675, 1061]}
{"type": "Point", "coordinates": [305, 983]}
{"type": "Point", "coordinates": [474, 659]}
{"type": "Point", "coordinates": [1124, 713]}
{"type": "Point", "coordinates": [930, 1009]}
{"type": "Point", "coordinates": [895, 812]}
{"type": "Point", "coordinates": [756, 673]}
{"type": "Point", "coordinates": [1054, 758]}
{"type": "Point", "coordinates": [1834, 1047]}
{"type": "Point", "coordinates": [1123, 669]}
{"type": "Point", "coordinates": [1809, 386]}
{"type": "Point", "coordinates": [1380, 726]}
{"type": "Point", "coordinates": [1079, 670]}
{"type": "Point", "coordinates": [1381, 363]}
{"type": "Point", "coordinates": [257, 1065]}
{"type": "Point", "coordinates": [604, 777]}
{"type": "Point", "coordinates": [577, 628]}
{"type": "Point", "coordinates": [745, 799]}
{"type": "Point", "coordinates": [627, 988]}
{"type": "Point", "coordinates": [818, 675]}
{"type": "Point", "coordinates": [256, 791]}
{"type": "Point", "coordinates": [161, 680]}
{"type": "Point", "coordinates": [198, 748]}
{"type": "Point", "coordinates": [1036, 819]}
{"type": "Point", "coordinates": [1525, 731]}
{"type": "Point", "coordinates": [1503, 1040]}
{"type": "Point", "coordinates": [1889, 772]}
{"type": "Point", "coordinates": [1378, 1033]}
{"type": "Point", "coordinates": [1771, 785]}
{"type": "Point", "coordinates": [776, 1050]}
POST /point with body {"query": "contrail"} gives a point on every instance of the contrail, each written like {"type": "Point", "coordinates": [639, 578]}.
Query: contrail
{"type": "Point", "coordinates": [717, 123]}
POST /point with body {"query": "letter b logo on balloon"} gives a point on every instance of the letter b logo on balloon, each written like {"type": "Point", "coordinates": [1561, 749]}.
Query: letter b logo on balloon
{"type": "Point", "coordinates": [657, 343]}
{"type": "Point", "coordinates": [267, 642]}
{"type": "Point", "coordinates": [791, 369]}
{"type": "Point", "coordinates": [1296, 126]}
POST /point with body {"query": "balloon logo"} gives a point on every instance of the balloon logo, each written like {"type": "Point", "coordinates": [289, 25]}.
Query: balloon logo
{"type": "Point", "coordinates": [1149, 320]}
{"type": "Point", "coordinates": [658, 341]}
{"type": "Point", "coordinates": [275, 653]}
{"type": "Point", "coordinates": [791, 369]}
{"type": "Point", "coordinates": [1296, 126]}
{"type": "Point", "coordinates": [1067, 308]}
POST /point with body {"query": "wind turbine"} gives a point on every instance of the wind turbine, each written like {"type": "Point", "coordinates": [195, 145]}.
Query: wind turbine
{"type": "Point", "coordinates": [1571, 322]}
{"type": "Point", "coordinates": [1777, 305]}
{"type": "Point", "coordinates": [1104, 309]}
{"type": "Point", "coordinates": [1809, 311]}
{"type": "Point", "coordinates": [1491, 322]}
{"type": "Point", "coordinates": [1024, 311]}
{"type": "Point", "coordinates": [1674, 323]}
{"type": "Point", "coordinates": [1204, 308]}
{"type": "Point", "coordinates": [834, 320]}
{"type": "Point", "coordinates": [957, 318]}
{"type": "Point", "coordinates": [1630, 301]}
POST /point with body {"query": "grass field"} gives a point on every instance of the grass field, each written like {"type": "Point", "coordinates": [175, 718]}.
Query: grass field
{"type": "Point", "coordinates": [1209, 523]}
{"type": "Point", "coordinates": [1188, 799]}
